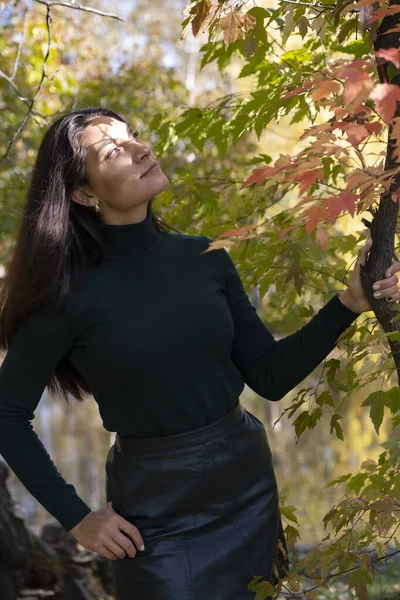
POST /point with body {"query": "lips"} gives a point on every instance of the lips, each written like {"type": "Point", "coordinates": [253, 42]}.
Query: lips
{"type": "Point", "coordinates": [154, 164]}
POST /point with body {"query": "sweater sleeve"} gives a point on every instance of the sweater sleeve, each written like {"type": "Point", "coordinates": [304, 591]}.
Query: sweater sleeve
{"type": "Point", "coordinates": [270, 367]}
{"type": "Point", "coordinates": [40, 342]}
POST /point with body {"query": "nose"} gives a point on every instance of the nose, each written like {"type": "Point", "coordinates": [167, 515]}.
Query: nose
{"type": "Point", "coordinates": [138, 150]}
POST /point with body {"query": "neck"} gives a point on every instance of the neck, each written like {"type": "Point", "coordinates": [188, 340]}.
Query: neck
{"type": "Point", "coordinates": [131, 238]}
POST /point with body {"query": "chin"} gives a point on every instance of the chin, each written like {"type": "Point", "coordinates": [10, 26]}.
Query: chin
{"type": "Point", "coordinates": [164, 181]}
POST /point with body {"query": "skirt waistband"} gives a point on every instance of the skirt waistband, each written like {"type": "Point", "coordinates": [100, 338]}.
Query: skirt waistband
{"type": "Point", "coordinates": [182, 440]}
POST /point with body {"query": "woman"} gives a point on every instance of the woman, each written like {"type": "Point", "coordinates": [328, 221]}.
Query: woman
{"type": "Point", "coordinates": [100, 298]}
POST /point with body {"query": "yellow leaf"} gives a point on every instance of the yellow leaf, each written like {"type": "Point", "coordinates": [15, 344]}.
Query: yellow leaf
{"type": "Point", "coordinates": [217, 244]}
{"type": "Point", "coordinates": [231, 25]}
{"type": "Point", "coordinates": [249, 22]}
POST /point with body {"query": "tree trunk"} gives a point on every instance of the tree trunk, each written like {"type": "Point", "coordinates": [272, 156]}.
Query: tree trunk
{"type": "Point", "coordinates": [384, 222]}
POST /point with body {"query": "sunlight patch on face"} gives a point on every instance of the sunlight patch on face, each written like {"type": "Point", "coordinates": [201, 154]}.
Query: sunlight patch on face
{"type": "Point", "coordinates": [103, 131]}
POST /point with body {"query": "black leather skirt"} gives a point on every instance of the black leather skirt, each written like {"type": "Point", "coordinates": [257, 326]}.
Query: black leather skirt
{"type": "Point", "coordinates": [206, 504]}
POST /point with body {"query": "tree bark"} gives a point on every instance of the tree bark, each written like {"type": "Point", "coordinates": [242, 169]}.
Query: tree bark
{"type": "Point", "coordinates": [384, 222]}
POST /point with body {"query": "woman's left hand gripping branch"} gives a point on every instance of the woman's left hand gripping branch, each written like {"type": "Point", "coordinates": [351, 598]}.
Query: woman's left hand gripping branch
{"type": "Point", "coordinates": [354, 297]}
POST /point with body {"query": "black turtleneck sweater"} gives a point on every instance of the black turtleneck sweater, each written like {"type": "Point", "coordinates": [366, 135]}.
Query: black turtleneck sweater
{"type": "Point", "coordinates": [166, 338]}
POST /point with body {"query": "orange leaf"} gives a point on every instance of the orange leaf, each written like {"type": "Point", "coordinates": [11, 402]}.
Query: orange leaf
{"type": "Point", "coordinates": [390, 54]}
{"type": "Point", "coordinates": [324, 88]}
{"type": "Point", "coordinates": [356, 133]}
{"type": "Point", "coordinates": [366, 3]}
{"type": "Point", "coordinates": [357, 87]}
{"type": "Point", "coordinates": [346, 70]}
{"type": "Point", "coordinates": [259, 175]}
{"type": "Point", "coordinates": [333, 207]}
{"type": "Point", "coordinates": [393, 30]}
{"type": "Point", "coordinates": [321, 237]}
{"type": "Point", "coordinates": [233, 232]}
{"type": "Point", "coordinates": [386, 96]}
{"type": "Point", "coordinates": [313, 214]}
{"type": "Point", "coordinates": [286, 229]}
{"type": "Point", "coordinates": [306, 86]}
{"type": "Point", "coordinates": [374, 127]}
{"type": "Point", "coordinates": [385, 12]}
{"type": "Point", "coordinates": [356, 179]}
{"type": "Point", "coordinates": [348, 201]}
{"type": "Point", "coordinates": [308, 178]}
{"type": "Point", "coordinates": [315, 130]}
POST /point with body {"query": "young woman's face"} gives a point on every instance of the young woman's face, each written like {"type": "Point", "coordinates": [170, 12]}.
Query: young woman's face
{"type": "Point", "coordinates": [116, 164]}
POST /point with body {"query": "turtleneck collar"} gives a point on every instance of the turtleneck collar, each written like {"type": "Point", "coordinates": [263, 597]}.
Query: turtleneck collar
{"type": "Point", "coordinates": [132, 238]}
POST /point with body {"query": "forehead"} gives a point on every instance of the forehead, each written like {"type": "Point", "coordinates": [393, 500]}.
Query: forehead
{"type": "Point", "coordinates": [101, 128]}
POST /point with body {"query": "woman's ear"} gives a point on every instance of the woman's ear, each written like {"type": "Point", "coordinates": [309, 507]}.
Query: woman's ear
{"type": "Point", "coordinates": [82, 196]}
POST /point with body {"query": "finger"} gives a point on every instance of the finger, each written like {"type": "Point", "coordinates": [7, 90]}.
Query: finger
{"type": "Point", "coordinates": [105, 552]}
{"type": "Point", "coordinates": [363, 252]}
{"type": "Point", "coordinates": [394, 267]}
{"type": "Point", "coordinates": [115, 548]}
{"type": "Point", "coordinates": [388, 292]}
{"type": "Point", "coordinates": [385, 283]}
{"type": "Point", "coordinates": [132, 531]}
{"type": "Point", "coordinates": [393, 297]}
{"type": "Point", "coordinates": [125, 542]}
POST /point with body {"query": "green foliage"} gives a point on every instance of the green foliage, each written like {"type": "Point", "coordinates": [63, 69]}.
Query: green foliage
{"type": "Point", "coordinates": [377, 402]}
{"type": "Point", "coordinates": [307, 260]}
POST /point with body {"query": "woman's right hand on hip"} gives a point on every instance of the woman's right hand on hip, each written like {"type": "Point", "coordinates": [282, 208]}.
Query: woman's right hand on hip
{"type": "Point", "coordinates": [102, 531]}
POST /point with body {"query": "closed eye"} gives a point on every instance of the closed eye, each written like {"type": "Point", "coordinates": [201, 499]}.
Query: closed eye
{"type": "Point", "coordinates": [134, 135]}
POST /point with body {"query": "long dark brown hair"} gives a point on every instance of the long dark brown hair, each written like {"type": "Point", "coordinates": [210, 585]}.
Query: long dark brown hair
{"type": "Point", "coordinates": [57, 239]}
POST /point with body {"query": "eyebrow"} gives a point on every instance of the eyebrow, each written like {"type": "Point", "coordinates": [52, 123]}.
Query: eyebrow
{"type": "Point", "coordinates": [110, 140]}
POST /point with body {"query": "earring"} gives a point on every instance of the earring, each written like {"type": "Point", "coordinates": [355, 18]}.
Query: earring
{"type": "Point", "coordinates": [97, 208]}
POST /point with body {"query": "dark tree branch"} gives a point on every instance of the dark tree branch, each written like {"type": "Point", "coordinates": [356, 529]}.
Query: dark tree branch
{"type": "Point", "coordinates": [31, 101]}
{"type": "Point", "coordinates": [51, 3]}
{"type": "Point", "coordinates": [39, 87]}
{"type": "Point", "coordinates": [383, 224]}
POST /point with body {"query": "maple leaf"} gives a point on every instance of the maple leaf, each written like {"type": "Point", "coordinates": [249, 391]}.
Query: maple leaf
{"type": "Point", "coordinates": [259, 175]}
{"type": "Point", "coordinates": [356, 179]}
{"type": "Point", "coordinates": [286, 229]}
{"type": "Point", "coordinates": [313, 215]}
{"type": "Point", "coordinates": [231, 26]}
{"type": "Point", "coordinates": [307, 178]}
{"type": "Point", "coordinates": [333, 208]}
{"type": "Point", "coordinates": [380, 13]}
{"type": "Point", "coordinates": [321, 236]}
{"type": "Point", "coordinates": [297, 91]}
{"type": "Point", "coordinates": [217, 244]}
{"type": "Point", "coordinates": [200, 11]}
{"type": "Point", "coordinates": [394, 29]}
{"type": "Point", "coordinates": [347, 70]}
{"type": "Point", "coordinates": [233, 232]}
{"type": "Point", "coordinates": [324, 88]}
{"type": "Point", "coordinates": [315, 130]}
{"type": "Point", "coordinates": [390, 54]}
{"type": "Point", "coordinates": [366, 3]}
{"type": "Point", "coordinates": [357, 87]}
{"type": "Point", "coordinates": [374, 127]}
{"type": "Point", "coordinates": [348, 200]}
{"type": "Point", "coordinates": [249, 22]}
{"type": "Point", "coordinates": [335, 204]}
{"type": "Point", "coordinates": [356, 133]}
{"type": "Point", "coordinates": [386, 96]}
